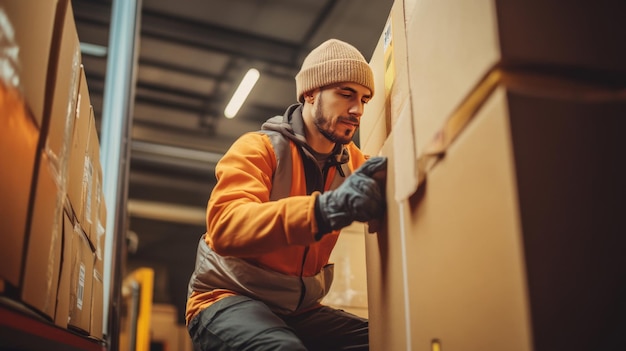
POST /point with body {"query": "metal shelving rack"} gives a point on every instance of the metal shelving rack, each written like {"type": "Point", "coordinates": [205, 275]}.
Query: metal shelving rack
{"type": "Point", "coordinates": [21, 329]}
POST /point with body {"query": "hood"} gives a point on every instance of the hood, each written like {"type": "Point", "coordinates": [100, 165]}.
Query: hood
{"type": "Point", "coordinates": [291, 125]}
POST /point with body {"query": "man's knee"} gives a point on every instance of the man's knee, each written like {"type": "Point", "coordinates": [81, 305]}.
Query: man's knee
{"type": "Point", "coordinates": [241, 323]}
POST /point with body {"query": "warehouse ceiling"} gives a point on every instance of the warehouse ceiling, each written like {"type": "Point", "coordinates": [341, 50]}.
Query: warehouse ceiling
{"type": "Point", "coordinates": [192, 56]}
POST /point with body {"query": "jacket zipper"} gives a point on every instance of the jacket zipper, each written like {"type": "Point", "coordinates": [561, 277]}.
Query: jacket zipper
{"type": "Point", "coordinates": [324, 174]}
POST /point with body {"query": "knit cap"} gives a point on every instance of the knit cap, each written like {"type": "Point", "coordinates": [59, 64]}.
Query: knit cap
{"type": "Point", "coordinates": [334, 61]}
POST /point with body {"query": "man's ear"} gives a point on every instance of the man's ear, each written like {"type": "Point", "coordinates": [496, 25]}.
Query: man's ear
{"type": "Point", "coordinates": [308, 97]}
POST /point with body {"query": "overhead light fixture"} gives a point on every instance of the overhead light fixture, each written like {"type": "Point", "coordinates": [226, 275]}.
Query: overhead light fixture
{"type": "Point", "coordinates": [240, 95]}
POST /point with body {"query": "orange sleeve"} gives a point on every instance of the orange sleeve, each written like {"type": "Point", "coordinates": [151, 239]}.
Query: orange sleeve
{"type": "Point", "coordinates": [241, 219]}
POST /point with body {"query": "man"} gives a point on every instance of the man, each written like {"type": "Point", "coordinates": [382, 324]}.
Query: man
{"type": "Point", "coordinates": [282, 195]}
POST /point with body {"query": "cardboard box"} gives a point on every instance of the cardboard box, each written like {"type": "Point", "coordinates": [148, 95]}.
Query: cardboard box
{"type": "Point", "coordinates": [100, 229]}
{"type": "Point", "coordinates": [81, 282]}
{"type": "Point", "coordinates": [514, 239]}
{"type": "Point", "coordinates": [163, 323]}
{"type": "Point", "coordinates": [391, 78]}
{"type": "Point", "coordinates": [92, 183]}
{"type": "Point", "coordinates": [397, 90]}
{"type": "Point", "coordinates": [38, 56]}
{"type": "Point", "coordinates": [385, 262]}
{"type": "Point", "coordinates": [45, 243]}
{"type": "Point", "coordinates": [376, 107]}
{"type": "Point", "coordinates": [452, 45]}
{"type": "Point", "coordinates": [77, 178]}
{"type": "Point", "coordinates": [33, 45]}
{"type": "Point", "coordinates": [349, 289]}
{"type": "Point", "coordinates": [18, 151]}
{"type": "Point", "coordinates": [64, 94]}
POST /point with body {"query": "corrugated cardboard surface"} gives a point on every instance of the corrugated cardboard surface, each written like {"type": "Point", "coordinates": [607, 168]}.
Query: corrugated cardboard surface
{"type": "Point", "coordinates": [81, 282]}
{"type": "Point", "coordinates": [33, 43]}
{"type": "Point", "coordinates": [567, 145]}
{"type": "Point", "coordinates": [513, 240]}
{"type": "Point", "coordinates": [95, 322]}
{"type": "Point", "coordinates": [391, 78]}
{"type": "Point", "coordinates": [18, 141]}
{"type": "Point", "coordinates": [397, 90]}
{"type": "Point", "coordinates": [370, 124]}
{"type": "Point", "coordinates": [45, 243]}
{"type": "Point", "coordinates": [465, 263]}
{"type": "Point", "coordinates": [377, 136]}
{"type": "Point", "coordinates": [386, 272]}
{"type": "Point", "coordinates": [451, 45]}
{"type": "Point", "coordinates": [162, 326]}
{"type": "Point", "coordinates": [64, 93]}
{"type": "Point", "coordinates": [92, 182]}
{"type": "Point", "coordinates": [349, 289]}
{"type": "Point", "coordinates": [45, 240]}
{"type": "Point", "coordinates": [78, 151]}
{"type": "Point", "coordinates": [63, 292]}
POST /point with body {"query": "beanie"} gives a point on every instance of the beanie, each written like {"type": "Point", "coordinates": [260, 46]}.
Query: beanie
{"type": "Point", "coordinates": [334, 61]}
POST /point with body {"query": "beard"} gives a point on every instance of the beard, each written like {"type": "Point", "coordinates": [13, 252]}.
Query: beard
{"type": "Point", "coordinates": [324, 126]}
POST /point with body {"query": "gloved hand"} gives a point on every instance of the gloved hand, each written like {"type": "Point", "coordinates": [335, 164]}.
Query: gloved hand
{"type": "Point", "coordinates": [358, 198]}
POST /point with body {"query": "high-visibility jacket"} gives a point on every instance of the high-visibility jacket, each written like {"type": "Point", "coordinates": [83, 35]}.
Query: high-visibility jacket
{"type": "Point", "coordinates": [261, 226]}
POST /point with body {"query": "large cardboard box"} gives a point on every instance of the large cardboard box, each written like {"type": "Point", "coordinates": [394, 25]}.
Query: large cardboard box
{"type": "Point", "coordinates": [452, 45]}
{"type": "Point", "coordinates": [25, 52]}
{"type": "Point", "coordinates": [45, 239]}
{"type": "Point", "coordinates": [38, 64]}
{"type": "Point", "coordinates": [513, 240]}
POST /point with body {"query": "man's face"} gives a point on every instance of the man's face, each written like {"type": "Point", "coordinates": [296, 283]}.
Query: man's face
{"type": "Point", "coordinates": [338, 110]}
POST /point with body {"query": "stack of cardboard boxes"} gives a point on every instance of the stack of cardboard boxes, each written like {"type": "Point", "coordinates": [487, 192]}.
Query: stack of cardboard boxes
{"type": "Point", "coordinates": [502, 122]}
{"type": "Point", "coordinates": [53, 211]}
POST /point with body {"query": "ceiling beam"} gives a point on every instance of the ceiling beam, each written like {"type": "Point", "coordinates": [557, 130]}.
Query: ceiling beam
{"type": "Point", "coordinates": [166, 212]}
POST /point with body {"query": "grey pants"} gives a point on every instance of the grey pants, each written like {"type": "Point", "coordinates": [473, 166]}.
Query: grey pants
{"type": "Point", "coordinates": [241, 323]}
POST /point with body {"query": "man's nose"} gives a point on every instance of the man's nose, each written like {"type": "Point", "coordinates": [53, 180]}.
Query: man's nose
{"type": "Point", "coordinates": [356, 109]}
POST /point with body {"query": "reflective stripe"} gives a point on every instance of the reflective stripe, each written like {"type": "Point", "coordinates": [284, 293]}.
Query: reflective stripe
{"type": "Point", "coordinates": [281, 181]}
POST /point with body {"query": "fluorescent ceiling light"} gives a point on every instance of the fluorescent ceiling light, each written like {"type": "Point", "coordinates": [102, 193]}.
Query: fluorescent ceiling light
{"type": "Point", "coordinates": [240, 95]}
{"type": "Point", "coordinates": [93, 49]}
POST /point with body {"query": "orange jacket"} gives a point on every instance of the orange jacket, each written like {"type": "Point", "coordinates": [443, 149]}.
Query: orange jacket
{"type": "Point", "coordinates": [261, 215]}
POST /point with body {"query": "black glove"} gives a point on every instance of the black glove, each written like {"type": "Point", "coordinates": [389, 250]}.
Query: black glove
{"type": "Point", "coordinates": [358, 198]}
